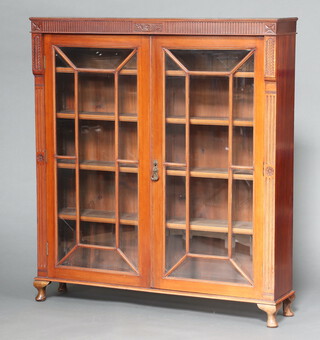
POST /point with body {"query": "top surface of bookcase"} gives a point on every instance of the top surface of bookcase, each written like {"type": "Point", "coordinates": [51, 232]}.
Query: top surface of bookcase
{"type": "Point", "coordinates": [244, 27]}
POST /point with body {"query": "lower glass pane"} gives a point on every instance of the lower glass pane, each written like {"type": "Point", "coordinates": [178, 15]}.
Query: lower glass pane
{"type": "Point", "coordinates": [175, 246]}
{"type": "Point", "coordinates": [105, 259]}
{"type": "Point", "coordinates": [129, 243]}
{"type": "Point", "coordinates": [175, 143]}
{"type": "Point", "coordinates": [66, 237]}
{"type": "Point", "coordinates": [65, 137]}
{"type": "Point", "coordinates": [66, 191]}
{"type": "Point", "coordinates": [175, 199]}
{"type": "Point", "coordinates": [128, 141]}
{"type": "Point", "coordinates": [100, 234]}
{"type": "Point", "coordinates": [208, 243]}
{"type": "Point", "coordinates": [242, 146]}
{"type": "Point", "coordinates": [242, 254]}
{"type": "Point", "coordinates": [97, 194]}
{"type": "Point", "coordinates": [208, 269]}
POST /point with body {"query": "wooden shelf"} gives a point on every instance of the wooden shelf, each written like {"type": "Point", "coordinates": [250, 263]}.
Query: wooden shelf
{"type": "Point", "coordinates": [123, 117]}
{"type": "Point", "coordinates": [98, 166]}
{"type": "Point", "coordinates": [181, 73]}
{"type": "Point", "coordinates": [130, 72]}
{"type": "Point", "coordinates": [91, 215]}
{"type": "Point", "coordinates": [213, 226]}
{"type": "Point", "coordinates": [220, 121]}
{"type": "Point", "coordinates": [208, 173]}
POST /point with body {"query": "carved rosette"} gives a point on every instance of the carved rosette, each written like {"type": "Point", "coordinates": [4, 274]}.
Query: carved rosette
{"type": "Point", "coordinates": [269, 171]}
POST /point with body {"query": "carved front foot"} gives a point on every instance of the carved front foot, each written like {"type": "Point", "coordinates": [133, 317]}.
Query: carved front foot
{"type": "Point", "coordinates": [41, 286]}
{"type": "Point", "coordinates": [272, 313]}
{"type": "Point", "coordinates": [62, 287]}
{"type": "Point", "coordinates": [287, 311]}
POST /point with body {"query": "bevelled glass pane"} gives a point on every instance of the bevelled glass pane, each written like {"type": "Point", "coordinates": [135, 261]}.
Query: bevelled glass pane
{"type": "Point", "coordinates": [210, 60]}
{"type": "Point", "coordinates": [243, 98]}
{"type": "Point", "coordinates": [209, 97]}
{"type": "Point", "coordinates": [129, 243]}
{"type": "Point", "coordinates": [96, 93]}
{"type": "Point", "coordinates": [208, 243]}
{"type": "Point", "coordinates": [128, 196]}
{"type": "Point", "coordinates": [175, 143]}
{"type": "Point", "coordinates": [103, 58]}
{"type": "Point", "coordinates": [131, 64]}
{"type": "Point", "coordinates": [209, 270]}
{"type": "Point", "coordinates": [242, 204]}
{"type": "Point", "coordinates": [175, 246]}
{"type": "Point", "coordinates": [97, 193]}
{"type": "Point", "coordinates": [208, 147]}
{"type": "Point", "coordinates": [248, 66]}
{"type": "Point", "coordinates": [66, 237]}
{"type": "Point", "coordinates": [96, 141]}
{"type": "Point", "coordinates": [242, 254]}
{"type": "Point", "coordinates": [65, 137]}
{"type": "Point", "coordinates": [175, 199]}
{"type": "Point", "coordinates": [242, 146]}
{"type": "Point", "coordinates": [128, 141]}
{"type": "Point", "coordinates": [175, 97]}
{"type": "Point", "coordinates": [100, 234]}
{"type": "Point", "coordinates": [171, 64]}
{"type": "Point", "coordinates": [65, 92]}
{"type": "Point", "coordinates": [128, 95]}
{"type": "Point", "coordinates": [208, 200]}
{"type": "Point", "coordinates": [105, 259]}
{"type": "Point", "coordinates": [66, 191]}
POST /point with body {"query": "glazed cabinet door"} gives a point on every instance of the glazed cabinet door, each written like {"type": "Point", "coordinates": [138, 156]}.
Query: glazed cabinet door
{"type": "Point", "coordinates": [97, 100]}
{"type": "Point", "coordinates": [207, 141]}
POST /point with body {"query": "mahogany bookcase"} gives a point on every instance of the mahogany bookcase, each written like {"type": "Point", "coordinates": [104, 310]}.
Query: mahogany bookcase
{"type": "Point", "coordinates": [164, 155]}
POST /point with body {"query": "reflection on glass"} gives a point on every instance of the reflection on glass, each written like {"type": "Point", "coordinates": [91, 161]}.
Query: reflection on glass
{"type": "Point", "coordinates": [210, 60]}
{"type": "Point", "coordinates": [100, 58]}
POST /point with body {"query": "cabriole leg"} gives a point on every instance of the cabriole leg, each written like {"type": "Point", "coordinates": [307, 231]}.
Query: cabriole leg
{"type": "Point", "coordinates": [271, 313]}
{"type": "Point", "coordinates": [41, 287]}
{"type": "Point", "coordinates": [62, 287]}
{"type": "Point", "coordinates": [287, 311]}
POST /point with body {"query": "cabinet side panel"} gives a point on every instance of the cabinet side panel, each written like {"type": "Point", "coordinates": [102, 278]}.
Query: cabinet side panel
{"type": "Point", "coordinates": [40, 121]}
{"type": "Point", "coordinates": [284, 164]}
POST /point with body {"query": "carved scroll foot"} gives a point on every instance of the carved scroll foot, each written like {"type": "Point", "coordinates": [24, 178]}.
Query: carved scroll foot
{"type": "Point", "coordinates": [287, 311]}
{"type": "Point", "coordinates": [62, 287]}
{"type": "Point", "coordinates": [41, 286]}
{"type": "Point", "coordinates": [272, 313]}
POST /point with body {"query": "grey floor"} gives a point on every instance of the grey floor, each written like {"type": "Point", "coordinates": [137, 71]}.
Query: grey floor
{"type": "Point", "coordinates": [100, 313]}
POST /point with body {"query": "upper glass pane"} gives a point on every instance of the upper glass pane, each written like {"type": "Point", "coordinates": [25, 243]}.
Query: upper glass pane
{"type": "Point", "coordinates": [103, 58]}
{"type": "Point", "coordinates": [210, 60]}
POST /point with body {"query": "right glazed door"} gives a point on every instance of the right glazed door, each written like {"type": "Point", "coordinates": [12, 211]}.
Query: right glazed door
{"type": "Point", "coordinates": [209, 153]}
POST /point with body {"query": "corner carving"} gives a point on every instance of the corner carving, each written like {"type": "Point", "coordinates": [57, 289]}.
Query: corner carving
{"type": "Point", "coordinates": [35, 26]}
{"type": "Point", "coordinates": [270, 28]}
{"type": "Point", "coordinates": [148, 27]}
{"type": "Point", "coordinates": [270, 56]}
{"type": "Point", "coordinates": [37, 54]}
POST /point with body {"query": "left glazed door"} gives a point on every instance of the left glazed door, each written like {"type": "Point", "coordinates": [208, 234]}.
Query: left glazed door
{"type": "Point", "coordinates": [97, 112]}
